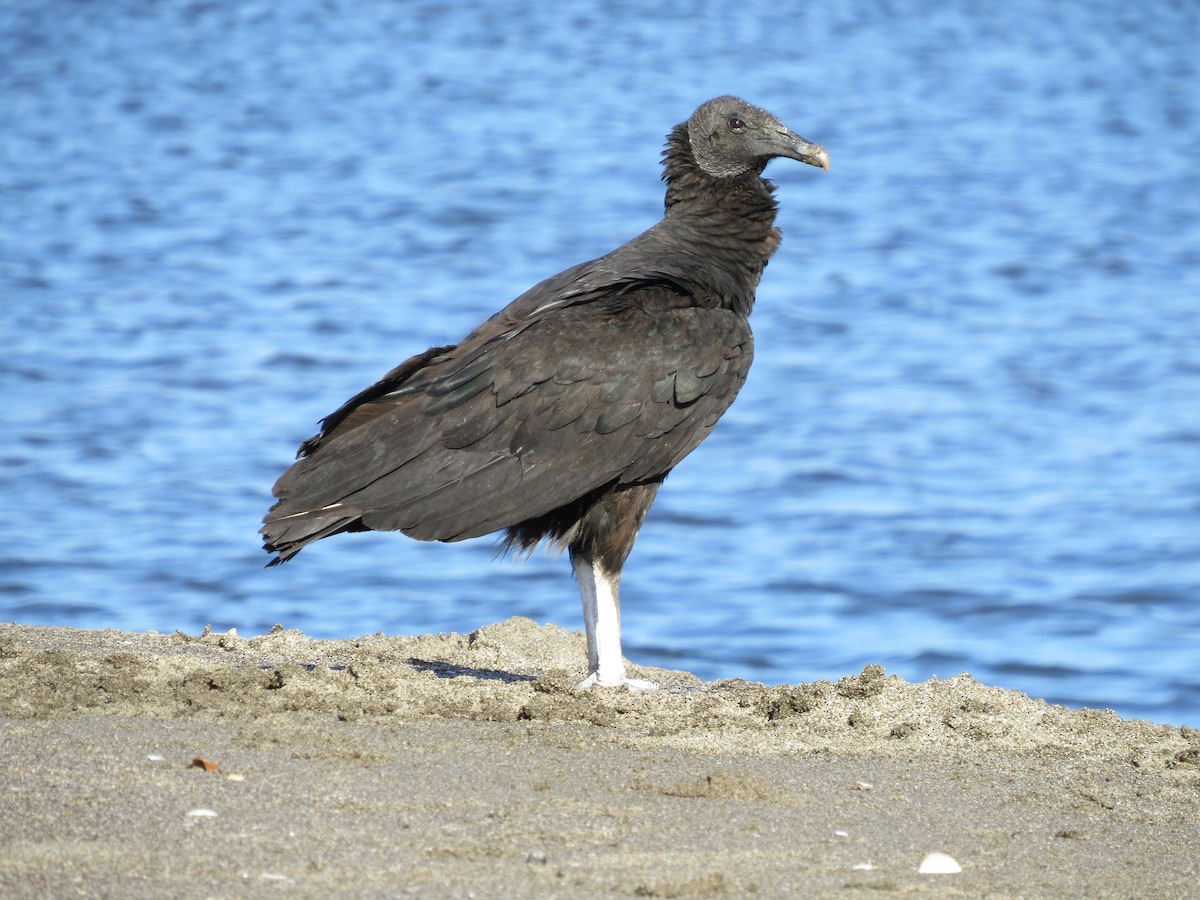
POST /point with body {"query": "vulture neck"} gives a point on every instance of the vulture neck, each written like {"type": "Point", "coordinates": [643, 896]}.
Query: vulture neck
{"type": "Point", "coordinates": [730, 220]}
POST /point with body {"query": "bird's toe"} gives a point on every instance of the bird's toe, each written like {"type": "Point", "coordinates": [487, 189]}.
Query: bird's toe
{"type": "Point", "coordinates": [634, 684]}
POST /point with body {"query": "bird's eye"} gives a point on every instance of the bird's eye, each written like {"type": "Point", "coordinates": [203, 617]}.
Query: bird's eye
{"type": "Point", "coordinates": [736, 124]}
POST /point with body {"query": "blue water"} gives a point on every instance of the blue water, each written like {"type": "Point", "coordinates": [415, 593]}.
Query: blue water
{"type": "Point", "coordinates": [971, 439]}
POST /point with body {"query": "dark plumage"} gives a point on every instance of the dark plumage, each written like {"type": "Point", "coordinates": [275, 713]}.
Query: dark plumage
{"type": "Point", "coordinates": [559, 417]}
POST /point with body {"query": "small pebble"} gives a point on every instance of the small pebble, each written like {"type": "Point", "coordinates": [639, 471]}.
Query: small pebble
{"type": "Point", "coordinates": [202, 813]}
{"type": "Point", "coordinates": [939, 864]}
{"type": "Point", "coordinates": [840, 833]}
{"type": "Point", "coordinates": [863, 867]}
{"type": "Point", "coordinates": [156, 757]}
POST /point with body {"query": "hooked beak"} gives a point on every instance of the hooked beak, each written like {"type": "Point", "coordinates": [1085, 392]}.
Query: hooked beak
{"type": "Point", "coordinates": [793, 146]}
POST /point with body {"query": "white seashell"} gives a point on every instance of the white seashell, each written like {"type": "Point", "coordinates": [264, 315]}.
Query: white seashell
{"type": "Point", "coordinates": [156, 757]}
{"type": "Point", "coordinates": [939, 864]}
{"type": "Point", "coordinates": [840, 833]}
{"type": "Point", "coordinates": [202, 813]}
{"type": "Point", "coordinates": [863, 867]}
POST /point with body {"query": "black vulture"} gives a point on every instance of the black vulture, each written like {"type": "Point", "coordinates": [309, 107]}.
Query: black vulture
{"type": "Point", "coordinates": [559, 417]}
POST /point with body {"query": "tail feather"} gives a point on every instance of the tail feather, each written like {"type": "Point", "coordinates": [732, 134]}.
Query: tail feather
{"type": "Point", "coordinates": [289, 534]}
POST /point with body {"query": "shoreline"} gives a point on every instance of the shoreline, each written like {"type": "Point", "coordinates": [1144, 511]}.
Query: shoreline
{"type": "Point", "coordinates": [445, 764]}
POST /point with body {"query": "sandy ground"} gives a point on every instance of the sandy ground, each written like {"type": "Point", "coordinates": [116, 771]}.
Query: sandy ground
{"type": "Point", "coordinates": [464, 765]}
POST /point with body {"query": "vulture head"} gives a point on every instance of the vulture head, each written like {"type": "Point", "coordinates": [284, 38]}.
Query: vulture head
{"type": "Point", "coordinates": [730, 137]}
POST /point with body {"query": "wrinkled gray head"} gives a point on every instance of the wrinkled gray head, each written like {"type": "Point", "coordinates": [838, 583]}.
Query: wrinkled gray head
{"type": "Point", "coordinates": [730, 136]}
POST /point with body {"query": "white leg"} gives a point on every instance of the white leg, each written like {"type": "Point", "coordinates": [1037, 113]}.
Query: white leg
{"type": "Point", "coordinates": [602, 621]}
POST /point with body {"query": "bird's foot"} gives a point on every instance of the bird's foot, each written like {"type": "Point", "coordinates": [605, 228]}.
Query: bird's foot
{"type": "Point", "coordinates": [634, 684]}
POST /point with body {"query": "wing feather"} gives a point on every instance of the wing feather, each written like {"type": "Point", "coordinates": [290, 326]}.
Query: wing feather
{"type": "Point", "coordinates": [513, 424]}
